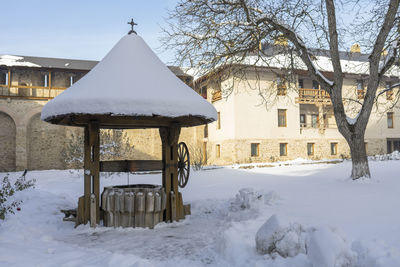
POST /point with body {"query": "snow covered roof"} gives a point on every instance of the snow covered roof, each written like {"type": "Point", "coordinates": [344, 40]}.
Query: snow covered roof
{"type": "Point", "coordinates": [46, 62]}
{"type": "Point", "coordinates": [130, 82]}
{"type": "Point", "coordinates": [276, 57]}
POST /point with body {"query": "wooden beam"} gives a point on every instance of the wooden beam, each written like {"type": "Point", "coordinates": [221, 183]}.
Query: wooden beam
{"type": "Point", "coordinates": [169, 138]}
{"type": "Point", "coordinates": [49, 84]}
{"type": "Point", "coordinates": [87, 178]}
{"type": "Point", "coordinates": [131, 165]}
{"type": "Point", "coordinates": [107, 121]}
{"type": "Point", "coordinates": [94, 131]}
{"type": "Point", "coordinates": [91, 170]}
{"type": "Point", "coordinates": [9, 79]}
{"type": "Point", "coordinates": [49, 79]}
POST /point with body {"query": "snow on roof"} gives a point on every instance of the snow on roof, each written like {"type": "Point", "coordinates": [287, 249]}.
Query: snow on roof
{"type": "Point", "coordinates": [323, 63]}
{"type": "Point", "coordinates": [352, 63]}
{"type": "Point", "coordinates": [9, 60]}
{"type": "Point", "coordinates": [130, 81]}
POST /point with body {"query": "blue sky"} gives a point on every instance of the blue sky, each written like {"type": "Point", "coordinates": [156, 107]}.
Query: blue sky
{"type": "Point", "coordinates": [85, 29]}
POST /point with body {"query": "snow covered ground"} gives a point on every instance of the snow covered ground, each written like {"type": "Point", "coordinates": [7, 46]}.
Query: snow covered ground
{"type": "Point", "coordinates": [363, 215]}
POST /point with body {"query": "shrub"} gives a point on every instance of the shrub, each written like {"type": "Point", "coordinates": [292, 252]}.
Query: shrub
{"type": "Point", "coordinates": [7, 190]}
{"type": "Point", "coordinates": [114, 145]}
{"type": "Point", "coordinates": [196, 157]}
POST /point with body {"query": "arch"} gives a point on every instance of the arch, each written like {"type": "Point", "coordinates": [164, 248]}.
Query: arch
{"type": "Point", "coordinates": [12, 114]}
{"type": "Point", "coordinates": [7, 143]}
{"type": "Point", "coordinates": [45, 143]}
{"type": "Point", "coordinates": [28, 116]}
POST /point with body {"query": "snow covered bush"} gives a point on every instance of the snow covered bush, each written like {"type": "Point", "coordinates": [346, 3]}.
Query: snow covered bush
{"type": "Point", "coordinates": [323, 246]}
{"type": "Point", "coordinates": [327, 248]}
{"type": "Point", "coordinates": [392, 156]}
{"type": "Point", "coordinates": [248, 198]}
{"type": "Point", "coordinates": [279, 235]}
{"type": "Point", "coordinates": [7, 190]}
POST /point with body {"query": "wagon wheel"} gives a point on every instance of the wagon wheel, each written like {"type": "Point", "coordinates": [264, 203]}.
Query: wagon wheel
{"type": "Point", "coordinates": [183, 164]}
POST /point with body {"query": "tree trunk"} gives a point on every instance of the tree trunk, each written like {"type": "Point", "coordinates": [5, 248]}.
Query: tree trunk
{"type": "Point", "coordinates": [360, 167]}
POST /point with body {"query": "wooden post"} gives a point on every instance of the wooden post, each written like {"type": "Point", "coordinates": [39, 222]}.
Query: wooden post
{"type": "Point", "coordinates": [169, 138]}
{"type": "Point", "coordinates": [87, 178]}
{"type": "Point", "coordinates": [49, 84]}
{"type": "Point", "coordinates": [92, 170]}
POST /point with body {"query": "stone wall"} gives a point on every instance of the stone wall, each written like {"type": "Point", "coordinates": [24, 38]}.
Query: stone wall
{"type": "Point", "coordinates": [45, 144]}
{"type": "Point", "coordinates": [7, 143]}
{"type": "Point", "coordinates": [239, 151]}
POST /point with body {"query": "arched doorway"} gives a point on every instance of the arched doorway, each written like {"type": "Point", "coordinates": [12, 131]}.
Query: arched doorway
{"type": "Point", "coordinates": [7, 143]}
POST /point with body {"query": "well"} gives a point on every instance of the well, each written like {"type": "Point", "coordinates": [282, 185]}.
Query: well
{"type": "Point", "coordinates": [131, 89]}
{"type": "Point", "coordinates": [140, 205]}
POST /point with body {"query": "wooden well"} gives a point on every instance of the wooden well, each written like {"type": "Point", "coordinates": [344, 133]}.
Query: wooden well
{"type": "Point", "coordinates": [162, 102]}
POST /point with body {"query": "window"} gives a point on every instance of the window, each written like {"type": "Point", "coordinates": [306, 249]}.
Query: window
{"type": "Point", "coordinates": [301, 83]}
{"type": "Point", "coordinates": [203, 92]}
{"type": "Point", "coordinates": [389, 146]}
{"type": "Point", "coordinates": [302, 120]}
{"type": "Point", "coordinates": [393, 145]}
{"type": "Point", "coordinates": [281, 117]}
{"type": "Point", "coordinates": [333, 148]}
{"type": "Point", "coordinates": [360, 89]}
{"type": "Point", "coordinates": [219, 121]}
{"type": "Point", "coordinates": [314, 120]}
{"type": "Point", "coordinates": [3, 77]}
{"type": "Point", "coordinates": [281, 85]}
{"type": "Point", "coordinates": [283, 149]}
{"type": "Point", "coordinates": [310, 149]}
{"type": "Point", "coordinates": [396, 145]}
{"type": "Point", "coordinates": [255, 149]}
{"type": "Point", "coordinates": [390, 119]}
{"type": "Point", "coordinates": [218, 151]}
{"type": "Point", "coordinates": [315, 85]}
{"type": "Point", "coordinates": [389, 92]}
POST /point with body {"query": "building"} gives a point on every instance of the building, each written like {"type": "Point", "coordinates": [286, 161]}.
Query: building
{"type": "Point", "coordinates": [274, 114]}
{"type": "Point", "coordinates": [271, 115]}
{"type": "Point", "coordinates": [26, 85]}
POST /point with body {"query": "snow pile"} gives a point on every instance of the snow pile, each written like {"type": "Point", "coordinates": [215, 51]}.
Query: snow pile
{"type": "Point", "coordinates": [327, 248]}
{"type": "Point", "coordinates": [130, 81]}
{"type": "Point", "coordinates": [248, 198]}
{"type": "Point", "coordinates": [323, 247]}
{"type": "Point", "coordinates": [393, 156]}
{"type": "Point", "coordinates": [279, 235]}
{"type": "Point", "coordinates": [219, 232]}
{"type": "Point", "coordinates": [9, 60]}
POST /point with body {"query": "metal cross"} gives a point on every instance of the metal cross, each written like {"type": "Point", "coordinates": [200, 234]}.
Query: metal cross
{"type": "Point", "coordinates": [132, 23]}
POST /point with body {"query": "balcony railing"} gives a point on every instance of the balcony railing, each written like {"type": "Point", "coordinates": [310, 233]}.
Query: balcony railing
{"type": "Point", "coordinates": [30, 92]}
{"type": "Point", "coordinates": [313, 93]}
{"type": "Point", "coordinates": [216, 96]}
{"type": "Point", "coordinates": [311, 96]}
{"type": "Point", "coordinates": [317, 125]}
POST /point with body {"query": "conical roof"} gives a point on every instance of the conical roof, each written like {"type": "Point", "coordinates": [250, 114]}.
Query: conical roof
{"type": "Point", "coordinates": [129, 86]}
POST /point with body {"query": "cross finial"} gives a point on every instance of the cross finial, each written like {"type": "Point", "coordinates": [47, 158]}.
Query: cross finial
{"type": "Point", "coordinates": [132, 23]}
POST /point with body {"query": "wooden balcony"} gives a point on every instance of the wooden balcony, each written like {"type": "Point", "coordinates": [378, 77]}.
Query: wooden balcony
{"type": "Point", "coordinates": [216, 96]}
{"type": "Point", "coordinates": [30, 92]}
{"type": "Point", "coordinates": [311, 96]}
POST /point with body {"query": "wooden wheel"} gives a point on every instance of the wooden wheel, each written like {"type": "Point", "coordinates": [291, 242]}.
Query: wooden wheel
{"type": "Point", "coordinates": [183, 164]}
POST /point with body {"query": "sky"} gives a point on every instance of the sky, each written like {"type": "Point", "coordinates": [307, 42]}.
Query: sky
{"type": "Point", "coordinates": [84, 29]}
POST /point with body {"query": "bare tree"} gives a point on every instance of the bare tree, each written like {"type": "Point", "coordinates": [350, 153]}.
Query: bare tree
{"type": "Point", "coordinates": [212, 34]}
